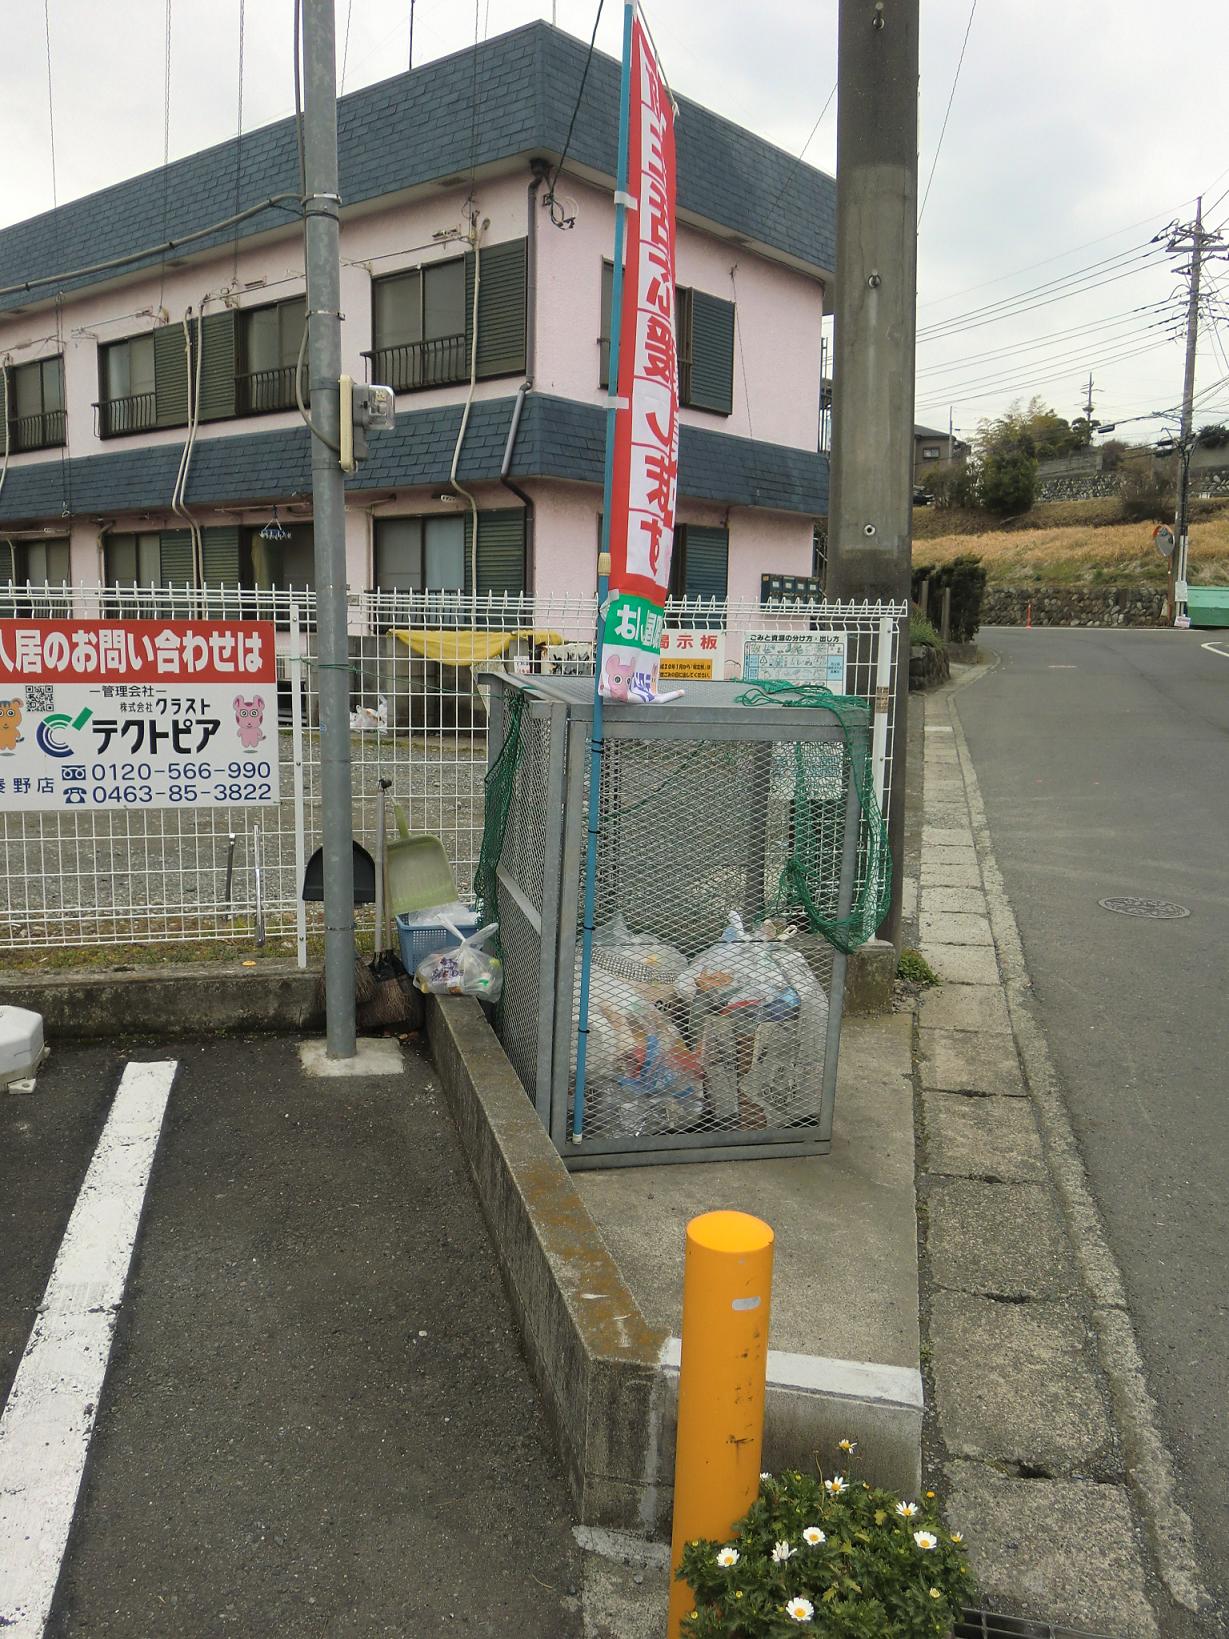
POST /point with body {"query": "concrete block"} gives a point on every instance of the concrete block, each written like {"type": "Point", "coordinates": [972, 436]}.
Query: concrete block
{"type": "Point", "coordinates": [373, 1056]}
{"type": "Point", "coordinates": [869, 977]}
{"type": "Point", "coordinates": [1016, 1387]}
{"type": "Point", "coordinates": [941, 873]}
{"type": "Point", "coordinates": [955, 928]}
{"type": "Point", "coordinates": [183, 999]}
{"type": "Point", "coordinates": [1060, 1550]}
{"type": "Point", "coordinates": [975, 1061]}
{"type": "Point", "coordinates": [999, 1240]}
{"type": "Point", "coordinates": [965, 1007]}
{"type": "Point", "coordinates": [949, 854]}
{"type": "Point", "coordinates": [946, 836]}
{"type": "Point", "coordinates": [982, 1138]}
{"type": "Point", "coordinates": [962, 964]}
{"type": "Point", "coordinates": [940, 897]}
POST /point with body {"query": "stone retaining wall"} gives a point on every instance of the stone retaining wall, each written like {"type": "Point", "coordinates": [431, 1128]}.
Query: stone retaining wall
{"type": "Point", "coordinates": [1073, 606]}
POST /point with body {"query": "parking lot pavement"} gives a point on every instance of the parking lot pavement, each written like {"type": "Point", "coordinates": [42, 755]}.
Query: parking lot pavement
{"type": "Point", "coordinates": [317, 1420]}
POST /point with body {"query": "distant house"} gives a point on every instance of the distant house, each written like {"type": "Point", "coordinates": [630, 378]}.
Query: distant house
{"type": "Point", "coordinates": [930, 447]}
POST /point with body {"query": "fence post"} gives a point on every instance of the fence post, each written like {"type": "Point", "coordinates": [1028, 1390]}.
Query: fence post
{"type": "Point", "coordinates": [296, 756]}
{"type": "Point", "coordinates": [946, 628]}
{"type": "Point", "coordinates": [727, 1294]}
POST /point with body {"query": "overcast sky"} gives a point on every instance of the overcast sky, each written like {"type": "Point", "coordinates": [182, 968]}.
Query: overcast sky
{"type": "Point", "coordinates": [1079, 129]}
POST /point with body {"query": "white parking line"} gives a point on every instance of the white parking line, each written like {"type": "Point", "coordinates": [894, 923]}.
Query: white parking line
{"type": "Point", "coordinates": [1215, 648]}
{"type": "Point", "coordinates": [49, 1418]}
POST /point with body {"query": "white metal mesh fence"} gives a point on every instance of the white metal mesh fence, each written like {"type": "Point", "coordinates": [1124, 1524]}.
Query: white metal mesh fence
{"type": "Point", "coordinates": [419, 721]}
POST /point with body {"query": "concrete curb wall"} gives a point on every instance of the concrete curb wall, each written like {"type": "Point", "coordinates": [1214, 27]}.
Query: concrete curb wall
{"type": "Point", "coordinates": [1073, 606]}
{"type": "Point", "coordinates": [608, 1377]}
{"type": "Point", "coordinates": [202, 998]}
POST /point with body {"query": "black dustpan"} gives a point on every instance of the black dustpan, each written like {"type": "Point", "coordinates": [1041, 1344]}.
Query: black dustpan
{"type": "Point", "coordinates": [364, 876]}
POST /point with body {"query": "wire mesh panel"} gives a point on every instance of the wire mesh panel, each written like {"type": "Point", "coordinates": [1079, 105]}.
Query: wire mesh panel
{"type": "Point", "coordinates": [419, 718]}
{"type": "Point", "coordinates": [728, 841]}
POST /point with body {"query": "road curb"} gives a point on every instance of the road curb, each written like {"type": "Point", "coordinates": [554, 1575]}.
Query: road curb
{"type": "Point", "coordinates": [1149, 1468]}
{"type": "Point", "coordinates": [190, 999]}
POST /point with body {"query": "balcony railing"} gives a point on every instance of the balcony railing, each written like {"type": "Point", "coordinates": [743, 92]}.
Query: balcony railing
{"type": "Point", "coordinates": [439, 362]}
{"type": "Point", "coordinates": [135, 414]}
{"type": "Point", "coordinates": [37, 432]}
{"type": "Point", "coordinates": [262, 390]}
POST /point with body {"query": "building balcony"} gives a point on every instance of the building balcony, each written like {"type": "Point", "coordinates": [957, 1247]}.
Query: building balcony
{"type": "Point", "coordinates": [261, 391]}
{"type": "Point", "coordinates": [442, 361]}
{"type": "Point", "coordinates": [45, 431]}
{"type": "Point", "coordinates": [137, 413]}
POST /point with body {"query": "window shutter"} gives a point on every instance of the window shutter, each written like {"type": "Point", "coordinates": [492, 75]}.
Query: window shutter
{"type": "Point", "coordinates": [170, 377]}
{"type": "Point", "coordinates": [501, 552]}
{"type": "Point", "coordinates": [711, 353]}
{"type": "Point", "coordinates": [501, 308]}
{"type": "Point", "coordinates": [220, 554]}
{"type": "Point", "coordinates": [706, 561]}
{"type": "Point", "coordinates": [218, 366]}
{"type": "Point", "coordinates": [177, 558]}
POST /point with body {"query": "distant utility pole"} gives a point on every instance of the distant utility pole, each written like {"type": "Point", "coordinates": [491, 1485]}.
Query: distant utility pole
{"type": "Point", "coordinates": [870, 510]}
{"type": "Point", "coordinates": [322, 206]}
{"type": "Point", "coordinates": [1187, 238]}
{"type": "Point", "coordinates": [951, 433]}
{"type": "Point", "coordinates": [1088, 403]}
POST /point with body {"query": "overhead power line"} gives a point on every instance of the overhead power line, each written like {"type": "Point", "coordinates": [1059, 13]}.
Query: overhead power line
{"type": "Point", "coordinates": [1043, 372]}
{"type": "Point", "coordinates": [1015, 348]}
{"type": "Point", "coordinates": [948, 114]}
{"type": "Point", "coordinates": [794, 168]}
{"type": "Point", "coordinates": [1049, 301]}
{"type": "Point", "coordinates": [1149, 251]}
{"type": "Point", "coordinates": [1017, 385]}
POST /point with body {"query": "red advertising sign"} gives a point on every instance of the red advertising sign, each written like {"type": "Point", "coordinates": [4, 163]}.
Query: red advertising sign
{"type": "Point", "coordinates": [137, 651]}
{"type": "Point", "coordinates": [646, 423]}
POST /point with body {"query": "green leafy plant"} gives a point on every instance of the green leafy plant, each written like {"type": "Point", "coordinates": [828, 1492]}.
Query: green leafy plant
{"type": "Point", "coordinates": [921, 630]}
{"type": "Point", "coordinates": [835, 1556]}
{"type": "Point", "coordinates": [914, 967]}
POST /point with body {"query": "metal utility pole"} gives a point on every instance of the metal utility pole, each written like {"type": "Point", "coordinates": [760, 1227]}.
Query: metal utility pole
{"type": "Point", "coordinates": [322, 205]}
{"type": "Point", "coordinates": [1185, 238]}
{"type": "Point", "coordinates": [870, 509]}
{"type": "Point", "coordinates": [1088, 403]}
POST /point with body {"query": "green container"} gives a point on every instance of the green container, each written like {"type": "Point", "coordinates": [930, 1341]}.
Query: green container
{"type": "Point", "coordinates": [1208, 605]}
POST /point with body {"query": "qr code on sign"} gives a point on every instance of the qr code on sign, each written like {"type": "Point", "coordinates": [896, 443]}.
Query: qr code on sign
{"type": "Point", "coordinates": [40, 697]}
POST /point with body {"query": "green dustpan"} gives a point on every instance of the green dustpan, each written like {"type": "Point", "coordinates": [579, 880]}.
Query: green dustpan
{"type": "Point", "coordinates": [419, 875]}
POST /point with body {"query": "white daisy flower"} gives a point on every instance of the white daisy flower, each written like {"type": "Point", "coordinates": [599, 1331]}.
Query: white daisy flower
{"type": "Point", "coordinates": [835, 1486]}
{"type": "Point", "coordinates": [801, 1610]}
{"type": "Point", "coordinates": [765, 1476]}
{"type": "Point", "coordinates": [925, 1539]}
{"type": "Point", "coordinates": [781, 1551]}
{"type": "Point", "coordinates": [957, 1536]}
{"type": "Point", "coordinates": [727, 1557]}
{"type": "Point", "coordinates": [813, 1536]}
{"type": "Point", "coordinates": [906, 1510]}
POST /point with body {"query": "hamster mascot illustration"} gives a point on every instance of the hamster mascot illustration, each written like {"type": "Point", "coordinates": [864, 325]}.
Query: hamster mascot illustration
{"type": "Point", "coordinates": [10, 717]}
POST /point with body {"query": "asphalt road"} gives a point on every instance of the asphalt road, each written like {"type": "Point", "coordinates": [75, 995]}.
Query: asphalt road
{"type": "Point", "coordinates": [317, 1420]}
{"type": "Point", "coordinates": [1103, 759]}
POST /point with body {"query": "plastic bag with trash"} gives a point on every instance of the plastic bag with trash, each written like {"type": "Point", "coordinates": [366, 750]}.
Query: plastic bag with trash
{"type": "Point", "coordinates": [641, 1076]}
{"type": "Point", "coordinates": [463, 970]}
{"type": "Point", "coordinates": [759, 1018]}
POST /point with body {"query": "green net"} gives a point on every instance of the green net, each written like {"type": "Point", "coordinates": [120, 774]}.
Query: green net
{"type": "Point", "coordinates": [497, 799]}
{"type": "Point", "coordinates": [819, 774]}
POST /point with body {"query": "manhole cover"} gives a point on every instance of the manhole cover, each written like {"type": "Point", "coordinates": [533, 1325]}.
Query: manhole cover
{"type": "Point", "coordinates": [1161, 910]}
{"type": "Point", "coordinates": [989, 1625]}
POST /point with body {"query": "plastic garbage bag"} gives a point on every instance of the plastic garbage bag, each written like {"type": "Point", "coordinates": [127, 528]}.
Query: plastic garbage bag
{"type": "Point", "coordinates": [641, 959]}
{"type": "Point", "coordinates": [642, 1077]}
{"type": "Point", "coordinates": [464, 970]}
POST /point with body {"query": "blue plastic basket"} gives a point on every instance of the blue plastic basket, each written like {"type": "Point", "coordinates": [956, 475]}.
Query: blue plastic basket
{"type": "Point", "coordinates": [419, 940]}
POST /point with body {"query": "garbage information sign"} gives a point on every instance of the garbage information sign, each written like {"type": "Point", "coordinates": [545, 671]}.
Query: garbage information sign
{"type": "Point", "coordinates": [694, 654]}
{"type": "Point", "coordinates": [796, 657]}
{"type": "Point", "coordinates": [124, 714]}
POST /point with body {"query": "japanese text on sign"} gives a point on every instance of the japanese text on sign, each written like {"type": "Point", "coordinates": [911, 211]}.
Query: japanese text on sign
{"type": "Point", "coordinates": [137, 714]}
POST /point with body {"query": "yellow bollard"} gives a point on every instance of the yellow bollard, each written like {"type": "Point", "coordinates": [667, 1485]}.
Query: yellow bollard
{"type": "Point", "coordinates": [727, 1293]}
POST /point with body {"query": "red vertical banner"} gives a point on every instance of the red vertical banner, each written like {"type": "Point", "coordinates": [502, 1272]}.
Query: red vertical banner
{"type": "Point", "coordinates": [646, 422]}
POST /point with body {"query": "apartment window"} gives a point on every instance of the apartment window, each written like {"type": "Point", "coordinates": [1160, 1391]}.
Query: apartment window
{"type": "Point", "coordinates": [36, 405]}
{"type": "Point", "coordinates": [704, 330]}
{"type": "Point", "coordinates": [269, 341]}
{"type": "Point", "coordinates": [129, 402]}
{"type": "Point", "coordinates": [699, 562]}
{"type": "Point", "coordinates": [38, 563]}
{"type": "Point", "coordinates": [418, 326]}
{"type": "Point", "coordinates": [931, 452]}
{"type": "Point", "coordinates": [420, 554]}
{"type": "Point", "coordinates": [422, 320]}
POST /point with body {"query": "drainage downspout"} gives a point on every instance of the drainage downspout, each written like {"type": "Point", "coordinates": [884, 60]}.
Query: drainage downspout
{"type": "Point", "coordinates": [505, 466]}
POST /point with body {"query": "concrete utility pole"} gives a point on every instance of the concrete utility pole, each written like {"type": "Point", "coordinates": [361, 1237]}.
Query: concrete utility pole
{"type": "Point", "coordinates": [870, 510]}
{"type": "Point", "coordinates": [322, 207]}
{"type": "Point", "coordinates": [1185, 238]}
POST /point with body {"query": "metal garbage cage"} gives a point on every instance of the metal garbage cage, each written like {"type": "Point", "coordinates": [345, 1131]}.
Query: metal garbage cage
{"type": "Point", "coordinates": [704, 1044]}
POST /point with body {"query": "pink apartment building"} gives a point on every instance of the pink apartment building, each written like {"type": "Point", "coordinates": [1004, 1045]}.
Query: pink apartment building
{"type": "Point", "coordinates": [436, 185]}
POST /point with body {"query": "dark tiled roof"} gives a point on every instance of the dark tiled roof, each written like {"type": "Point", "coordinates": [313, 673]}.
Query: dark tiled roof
{"type": "Point", "coordinates": [418, 128]}
{"type": "Point", "coordinates": [558, 438]}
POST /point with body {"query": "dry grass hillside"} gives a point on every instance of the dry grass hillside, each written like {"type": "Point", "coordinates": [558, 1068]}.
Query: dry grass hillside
{"type": "Point", "coordinates": [1072, 543]}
